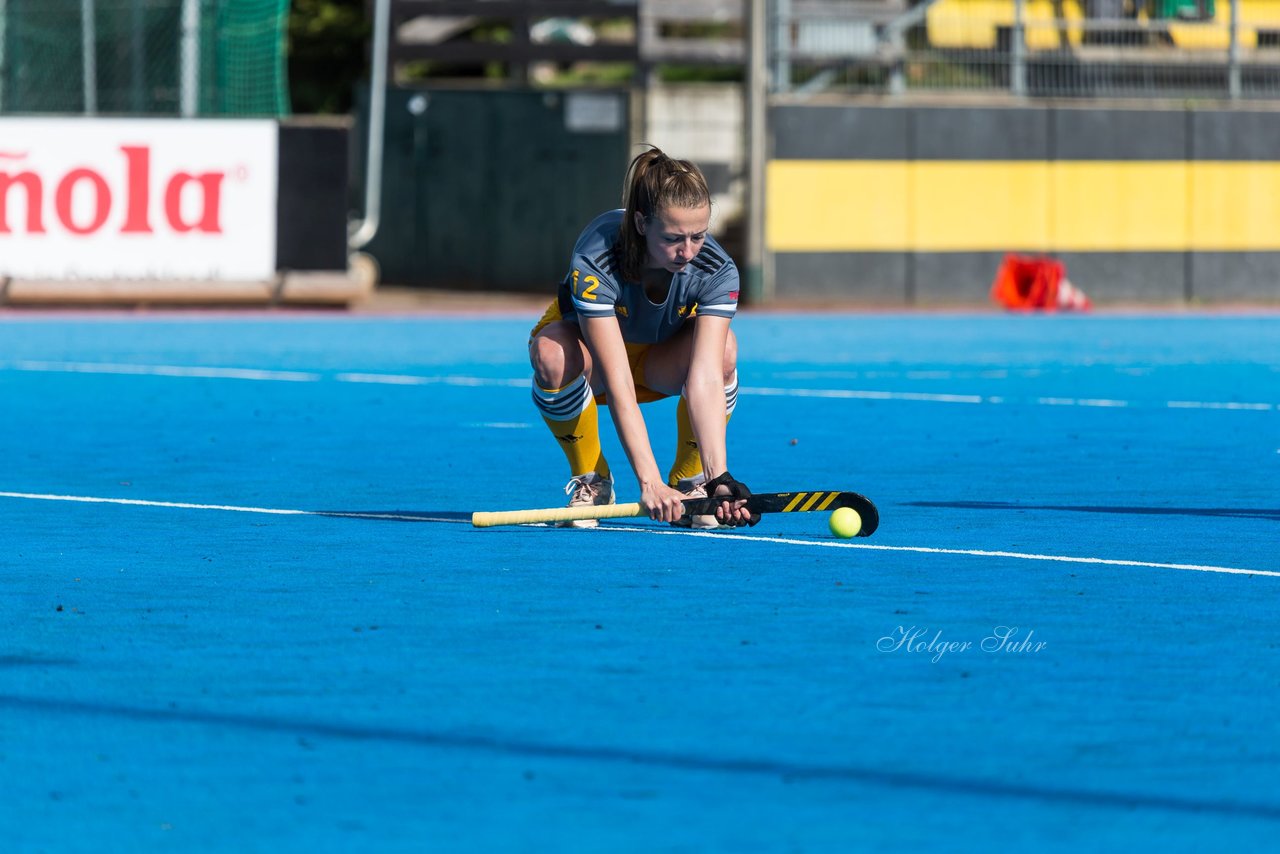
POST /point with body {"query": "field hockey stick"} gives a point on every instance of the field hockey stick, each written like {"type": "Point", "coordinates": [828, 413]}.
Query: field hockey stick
{"type": "Point", "coordinates": [760, 502]}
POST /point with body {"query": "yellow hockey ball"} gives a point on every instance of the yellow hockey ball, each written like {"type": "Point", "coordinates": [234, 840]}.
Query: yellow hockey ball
{"type": "Point", "coordinates": [845, 522]}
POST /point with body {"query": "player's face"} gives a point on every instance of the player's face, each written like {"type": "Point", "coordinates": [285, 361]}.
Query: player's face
{"type": "Point", "coordinates": [674, 235]}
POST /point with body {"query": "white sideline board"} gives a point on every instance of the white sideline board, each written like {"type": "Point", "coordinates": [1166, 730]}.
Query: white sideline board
{"type": "Point", "coordinates": [89, 199]}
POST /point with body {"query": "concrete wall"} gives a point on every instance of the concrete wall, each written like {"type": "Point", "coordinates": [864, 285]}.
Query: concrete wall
{"type": "Point", "coordinates": [917, 205]}
{"type": "Point", "coordinates": [702, 123]}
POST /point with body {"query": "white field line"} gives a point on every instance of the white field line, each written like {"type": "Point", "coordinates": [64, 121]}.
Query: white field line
{"type": "Point", "coordinates": [402, 379]}
{"type": "Point", "coordinates": [524, 382]}
{"type": "Point", "coordinates": [1196, 404]}
{"type": "Point", "coordinates": [853, 394]}
{"type": "Point", "coordinates": [1071, 401]}
{"type": "Point", "coordinates": [137, 502]}
{"type": "Point", "coordinates": [1100, 561]}
{"type": "Point", "coordinates": [165, 371]}
{"type": "Point", "coordinates": [737, 537]}
{"type": "Point", "coordinates": [185, 505]}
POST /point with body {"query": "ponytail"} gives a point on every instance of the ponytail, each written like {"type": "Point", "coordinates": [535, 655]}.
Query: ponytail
{"type": "Point", "coordinates": [655, 182]}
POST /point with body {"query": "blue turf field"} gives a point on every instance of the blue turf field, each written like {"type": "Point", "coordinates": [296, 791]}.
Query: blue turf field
{"type": "Point", "coordinates": [203, 653]}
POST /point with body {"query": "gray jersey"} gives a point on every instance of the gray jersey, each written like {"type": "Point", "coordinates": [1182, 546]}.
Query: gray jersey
{"type": "Point", "coordinates": [708, 285]}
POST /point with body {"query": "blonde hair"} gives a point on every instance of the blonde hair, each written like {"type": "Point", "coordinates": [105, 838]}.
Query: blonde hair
{"type": "Point", "coordinates": [654, 182]}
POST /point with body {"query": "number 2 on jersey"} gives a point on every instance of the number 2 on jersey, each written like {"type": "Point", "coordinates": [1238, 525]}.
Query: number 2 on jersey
{"type": "Point", "coordinates": [590, 283]}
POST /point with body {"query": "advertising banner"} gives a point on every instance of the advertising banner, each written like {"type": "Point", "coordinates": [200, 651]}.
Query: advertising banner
{"type": "Point", "coordinates": [138, 199]}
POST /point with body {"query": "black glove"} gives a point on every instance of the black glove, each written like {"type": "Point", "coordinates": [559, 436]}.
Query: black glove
{"type": "Point", "coordinates": [736, 490]}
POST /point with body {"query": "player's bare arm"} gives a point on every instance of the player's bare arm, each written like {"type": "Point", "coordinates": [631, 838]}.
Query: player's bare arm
{"type": "Point", "coordinates": [613, 376]}
{"type": "Point", "coordinates": [709, 364]}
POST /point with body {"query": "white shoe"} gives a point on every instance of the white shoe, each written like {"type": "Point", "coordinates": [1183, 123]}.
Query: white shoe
{"type": "Point", "coordinates": [587, 490]}
{"type": "Point", "coordinates": [695, 487]}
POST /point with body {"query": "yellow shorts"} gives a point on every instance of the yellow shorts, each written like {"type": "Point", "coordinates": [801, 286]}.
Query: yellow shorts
{"type": "Point", "coordinates": [635, 358]}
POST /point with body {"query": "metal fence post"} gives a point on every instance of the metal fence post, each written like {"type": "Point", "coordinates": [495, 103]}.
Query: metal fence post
{"type": "Point", "coordinates": [137, 59]}
{"type": "Point", "coordinates": [781, 45]}
{"type": "Point", "coordinates": [360, 233]}
{"type": "Point", "coordinates": [4, 36]}
{"type": "Point", "coordinates": [897, 77]}
{"type": "Point", "coordinates": [89, 49]}
{"type": "Point", "coordinates": [1018, 69]}
{"type": "Point", "coordinates": [758, 284]}
{"type": "Point", "coordinates": [189, 55]}
{"type": "Point", "coordinates": [1233, 53]}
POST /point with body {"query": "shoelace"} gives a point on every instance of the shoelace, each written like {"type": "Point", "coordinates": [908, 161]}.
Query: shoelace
{"type": "Point", "coordinates": [579, 485]}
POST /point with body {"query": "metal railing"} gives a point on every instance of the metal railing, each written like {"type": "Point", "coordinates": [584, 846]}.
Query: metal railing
{"type": "Point", "coordinates": [1202, 49]}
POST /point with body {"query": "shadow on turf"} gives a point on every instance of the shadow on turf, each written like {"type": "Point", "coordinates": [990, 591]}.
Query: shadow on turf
{"type": "Point", "coordinates": [1236, 512]}
{"type": "Point", "coordinates": [787, 771]}
{"type": "Point", "coordinates": [13, 661]}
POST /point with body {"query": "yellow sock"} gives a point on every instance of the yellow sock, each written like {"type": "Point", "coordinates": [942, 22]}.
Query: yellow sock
{"type": "Point", "coordinates": [688, 461]}
{"type": "Point", "coordinates": [574, 419]}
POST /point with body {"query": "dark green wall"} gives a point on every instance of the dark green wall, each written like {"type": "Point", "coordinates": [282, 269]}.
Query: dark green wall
{"type": "Point", "coordinates": [487, 190]}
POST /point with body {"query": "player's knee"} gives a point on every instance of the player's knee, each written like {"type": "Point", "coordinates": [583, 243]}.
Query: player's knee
{"type": "Point", "coordinates": [556, 358]}
{"type": "Point", "coordinates": [549, 361]}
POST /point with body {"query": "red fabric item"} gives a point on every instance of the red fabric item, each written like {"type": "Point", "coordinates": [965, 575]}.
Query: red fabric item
{"type": "Point", "coordinates": [1025, 283]}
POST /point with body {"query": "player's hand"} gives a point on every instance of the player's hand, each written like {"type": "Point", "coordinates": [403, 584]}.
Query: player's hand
{"type": "Point", "coordinates": [663, 503]}
{"type": "Point", "coordinates": [733, 510]}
